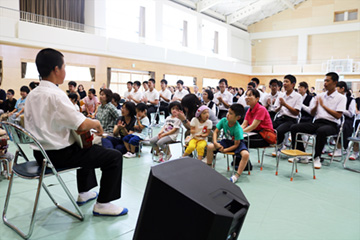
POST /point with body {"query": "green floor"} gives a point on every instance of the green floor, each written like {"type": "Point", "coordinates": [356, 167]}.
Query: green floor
{"type": "Point", "coordinates": [325, 208]}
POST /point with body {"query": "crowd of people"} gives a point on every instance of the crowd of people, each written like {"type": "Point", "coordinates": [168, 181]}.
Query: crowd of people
{"type": "Point", "coordinates": [214, 120]}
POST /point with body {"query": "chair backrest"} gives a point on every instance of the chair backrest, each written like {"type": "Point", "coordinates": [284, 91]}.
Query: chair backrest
{"type": "Point", "coordinates": [20, 136]}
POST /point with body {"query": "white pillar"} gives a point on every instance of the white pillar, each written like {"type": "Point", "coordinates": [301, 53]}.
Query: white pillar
{"type": "Point", "coordinates": [302, 49]}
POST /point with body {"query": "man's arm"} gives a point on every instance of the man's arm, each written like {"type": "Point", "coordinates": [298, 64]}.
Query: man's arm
{"type": "Point", "coordinates": [88, 124]}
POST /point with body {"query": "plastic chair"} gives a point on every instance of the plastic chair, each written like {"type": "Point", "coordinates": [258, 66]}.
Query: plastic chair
{"type": "Point", "coordinates": [297, 153]}
{"type": "Point", "coordinates": [31, 170]}
{"type": "Point", "coordinates": [261, 160]}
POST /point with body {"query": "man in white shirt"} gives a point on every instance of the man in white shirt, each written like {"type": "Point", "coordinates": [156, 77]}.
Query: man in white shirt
{"type": "Point", "coordinates": [180, 92]}
{"type": "Point", "coordinates": [288, 106]}
{"type": "Point", "coordinates": [241, 100]}
{"type": "Point", "coordinates": [145, 86]}
{"type": "Point", "coordinates": [165, 97]}
{"type": "Point", "coordinates": [50, 116]}
{"type": "Point", "coordinates": [328, 108]}
{"type": "Point", "coordinates": [129, 86]}
{"type": "Point", "coordinates": [271, 97]}
{"type": "Point", "coordinates": [151, 98]}
{"type": "Point", "coordinates": [136, 95]}
{"type": "Point", "coordinates": [223, 98]}
{"type": "Point", "coordinates": [262, 94]}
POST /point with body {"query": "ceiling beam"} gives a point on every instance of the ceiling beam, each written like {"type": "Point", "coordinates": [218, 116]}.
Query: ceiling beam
{"type": "Point", "coordinates": [203, 5]}
{"type": "Point", "coordinates": [288, 4]}
{"type": "Point", "coordinates": [246, 11]}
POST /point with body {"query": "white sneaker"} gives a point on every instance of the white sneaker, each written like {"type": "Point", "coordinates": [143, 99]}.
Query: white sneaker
{"type": "Point", "coordinates": [131, 155]}
{"type": "Point", "coordinates": [304, 160]}
{"type": "Point", "coordinates": [354, 156]}
{"type": "Point", "coordinates": [127, 154]}
{"type": "Point", "coordinates": [291, 160]}
{"type": "Point", "coordinates": [337, 153]}
{"type": "Point", "coordinates": [317, 163]}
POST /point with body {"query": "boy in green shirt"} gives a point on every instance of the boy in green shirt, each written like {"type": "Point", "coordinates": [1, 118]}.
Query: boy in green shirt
{"type": "Point", "coordinates": [233, 141]}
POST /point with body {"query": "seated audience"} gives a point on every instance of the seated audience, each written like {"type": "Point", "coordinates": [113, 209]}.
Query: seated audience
{"type": "Point", "coordinates": [145, 86]}
{"type": "Point", "coordinates": [129, 90]}
{"type": "Point", "coordinates": [328, 108]}
{"type": "Point", "coordinates": [124, 125]}
{"type": "Point", "coordinates": [165, 98]}
{"type": "Point", "coordinates": [106, 113]}
{"type": "Point", "coordinates": [151, 99]}
{"type": "Point", "coordinates": [180, 93]}
{"type": "Point", "coordinates": [136, 94]}
{"type": "Point", "coordinates": [91, 104]}
{"type": "Point", "coordinates": [197, 93]}
{"type": "Point", "coordinates": [10, 102]}
{"type": "Point", "coordinates": [72, 88]}
{"type": "Point", "coordinates": [223, 98]}
{"type": "Point", "coordinates": [271, 98]}
{"type": "Point", "coordinates": [115, 100]}
{"type": "Point", "coordinates": [81, 91]}
{"type": "Point", "coordinates": [167, 134]}
{"type": "Point", "coordinates": [140, 132]}
{"type": "Point", "coordinates": [14, 116]}
{"type": "Point", "coordinates": [307, 101]}
{"type": "Point", "coordinates": [73, 98]}
{"type": "Point", "coordinates": [208, 97]}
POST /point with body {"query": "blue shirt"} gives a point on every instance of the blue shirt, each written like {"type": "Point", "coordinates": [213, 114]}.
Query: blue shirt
{"type": "Point", "coordinates": [233, 133]}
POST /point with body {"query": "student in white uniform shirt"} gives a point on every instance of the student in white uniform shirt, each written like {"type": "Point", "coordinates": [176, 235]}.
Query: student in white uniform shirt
{"type": "Point", "coordinates": [328, 108]}
{"type": "Point", "coordinates": [136, 95]}
{"type": "Point", "coordinates": [223, 98]}
{"type": "Point", "coordinates": [145, 86]}
{"type": "Point", "coordinates": [349, 115]}
{"type": "Point", "coordinates": [129, 90]}
{"type": "Point", "coordinates": [180, 92]}
{"type": "Point", "coordinates": [288, 106]}
{"type": "Point", "coordinates": [50, 116]}
{"type": "Point", "coordinates": [307, 100]}
{"type": "Point", "coordinates": [262, 94]}
{"type": "Point", "coordinates": [271, 98]}
{"type": "Point", "coordinates": [241, 99]}
{"type": "Point", "coordinates": [151, 98]}
{"type": "Point", "coordinates": [165, 97]}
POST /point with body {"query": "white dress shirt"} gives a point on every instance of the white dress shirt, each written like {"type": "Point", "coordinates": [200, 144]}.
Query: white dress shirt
{"type": "Point", "coordinates": [304, 107]}
{"type": "Point", "coordinates": [241, 100]}
{"type": "Point", "coordinates": [226, 96]}
{"type": "Point", "coordinates": [152, 96]}
{"type": "Point", "coordinates": [271, 107]}
{"type": "Point", "coordinates": [50, 115]}
{"type": "Point", "coordinates": [167, 94]}
{"type": "Point", "coordinates": [181, 94]}
{"type": "Point", "coordinates": [352, 109]}
{"type": "Point", "coordinates": [127, 93]}
{"type": "Point", "coordinates": [334, 101]}
{"type": "Point", "coordinates": [137, 96]}
{"type": "Point", "coordinates": [293, 100]}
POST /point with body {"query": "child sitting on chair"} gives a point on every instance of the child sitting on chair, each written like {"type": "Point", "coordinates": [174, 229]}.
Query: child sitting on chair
{"type": "Point", "coordinates": [132, 140]}
{"type": "Point", "coordinates": [233, 141]}
{"type": "Point", "coordinates": [168, 133]}
{"type": "Point", "coordinates": [200, 129]}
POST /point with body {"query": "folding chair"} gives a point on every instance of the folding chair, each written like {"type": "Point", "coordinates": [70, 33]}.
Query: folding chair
{"type": "Point", "coordinates": [261, 160]}
{"type": "Point", "coordinates": [145, 141]}
{"type": "Point", "coordinates": [298, 153]}
{"type": "Point", "coordinates": [352, 140]}
{"type": "Point", "coordinates": [338, 137]}
{"type": "Point", "coordinates": [31, 170]}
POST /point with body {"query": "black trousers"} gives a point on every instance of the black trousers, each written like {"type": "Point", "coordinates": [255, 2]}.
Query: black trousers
{"type": "Point", "coordinates": [108, 160]}
{"type": "Point", "coordinates": [163, 107]}
{"type": "Point", "coordinates": [256, 141]}
{"type": "Point", "coordinates": [151, 109]}
{"type": "Point", "coordinates": [222, 114]}
{"type": "Point", "coordinates": [282, 126]}
{"type": "Point", "coordinates": [322, 128]}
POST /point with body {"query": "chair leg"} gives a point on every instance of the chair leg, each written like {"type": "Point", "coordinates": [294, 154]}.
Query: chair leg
{"type": "Point", "coordinates": [277, 163]}
{"type": "Point", "coordinates": [313, 165]}
{"type": "Point", "coordinates": [258, 155]}
{"type": "Point", "coordinates": [262, 159]}
{"type": "Point", "coordinates": [292, 171]}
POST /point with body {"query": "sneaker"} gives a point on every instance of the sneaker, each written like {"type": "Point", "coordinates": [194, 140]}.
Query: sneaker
{"type": "Point", "coordinates": [161, 158]}
{"type": "Point", "coordinates": [233, 179]}
{"type": "Point", "coordinates": [291, 160]}
{"type": "Point", "coordinates": [108, 209]}
{"type": "Point", "coordinates": [127, 154]}
{"type": "Point", "coordinates": [317, 163]}
{"type": "Point", "coordinates": [337, 153]}
{"type": "Point", "coordinates": [303, 160]}
{"type": "Point", "coordinates": [131, 155]}
{"type": "Point", "coordinates": [354, 156]}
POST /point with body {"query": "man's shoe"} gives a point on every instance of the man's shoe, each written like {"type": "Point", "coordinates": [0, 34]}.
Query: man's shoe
{"type": "Point", "coordinates": [304, 160]}
{"type": "Point", "coordinates": [337, 153]}
{"type": "Point", "coordinates": [354, 156]}
{"type": "Point", "coordinates": [291, 160]}
{"type": "Point", "coordinates": [317, 163]}
{"type": "Point", "coordinates": [132, 155]}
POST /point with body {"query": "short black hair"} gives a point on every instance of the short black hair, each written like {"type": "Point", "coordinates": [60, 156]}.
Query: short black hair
{"type": "Point", "coordinates": [33, 85]}
{"type": "Point", "coordinates": [280, 84]}
{"type": "Point", "coordinates": [72, 83]}
{"type": "Point", "coordinates": [141, 107]}
{"type": "Point", "coordinates": [252, 84]}
{"type": "Point", "coordinates": [304, 84]}
{"type": "Point", "coordinates": [256, 80]}
{"type": "Point", "coordinates": [291, 78]}
{"type": "Point", "coordinates": [173, 104]}
{"type": "Point", "coordinates": [46, 61]}
{"type": "Point", "coordinates": [93, 91]}
{"type": "Point", "coordinates": [274, 81]}
{"type": "Point", "coordinates": [210, 94]}
{"type": "Point", "coordinates": [130, 82]}
{"type": "Point", "coordinates": [11, 91]}
{"type": "Point", "coordinates": [137, 83]}
{"type": "Point", "coordinates": [116, 97]}
{"type": "Point", "coordinates": [334, 76]}
{"type": "Point", "coordinates": [152, 80]}
{"type": "Point", "coordinates": [164, 81]}
{"type": "Point", "coordinates": [145, 82]}
{"type": "Point", "coordinates": [73, 96]}
{"type": "Point", "coordinates": [238, 109]}
{"type": "Point", "coordinates": [224, 81]}
{"type": "Point", "coordinates": [108, 93]}
{"type": "Point", "coordinates": [25, 89]}
{"type": "Point", "coordinates": [180, 81]}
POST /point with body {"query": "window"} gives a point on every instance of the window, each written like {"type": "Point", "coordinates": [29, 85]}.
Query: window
{"type": "Point", "coordinates": [346, 15]}
{"type": "Point", "coordinates": [214, 38]}
{"type": "Point", "coordinates": [172, 79]}
{"type": "Point", "coordinates": [73, 73]}
{"type": "Point", "coordinates": [177, 26]}
{"type": "Point", "coordinates": [131, 20]}
{"type": "Point", "coordinates": [210, 82]}
{"type": "Point", "coordinates": [120, 77]}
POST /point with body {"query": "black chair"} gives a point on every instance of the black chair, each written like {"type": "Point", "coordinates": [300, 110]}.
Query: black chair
{"type": "Point", "coordinates": [31, 170]}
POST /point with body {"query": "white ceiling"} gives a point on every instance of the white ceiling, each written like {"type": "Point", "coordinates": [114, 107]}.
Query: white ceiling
{"type": "Point", "coordinates": [240, 13]}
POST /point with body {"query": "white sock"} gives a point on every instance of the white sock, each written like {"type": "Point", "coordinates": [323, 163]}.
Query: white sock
{"type": "Point", "coordinates": [107, 208]}
{"type": "Point", "coordinates": [86, 195]}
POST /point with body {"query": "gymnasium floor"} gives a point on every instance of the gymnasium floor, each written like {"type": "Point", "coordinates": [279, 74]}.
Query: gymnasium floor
{"type": "Point", "coordinates": [325, 208]}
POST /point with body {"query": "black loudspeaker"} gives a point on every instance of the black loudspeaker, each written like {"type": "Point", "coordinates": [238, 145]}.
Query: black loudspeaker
{"type": "Point", "coordinates": [185, 199]}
